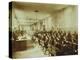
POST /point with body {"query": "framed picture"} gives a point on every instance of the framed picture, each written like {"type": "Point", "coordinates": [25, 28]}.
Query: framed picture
{"type": "Point", "coordinates": [42, 30]}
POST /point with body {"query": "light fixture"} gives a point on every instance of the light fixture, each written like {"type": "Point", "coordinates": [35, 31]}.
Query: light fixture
{"type": "Point", "coordinates": [36, 11]}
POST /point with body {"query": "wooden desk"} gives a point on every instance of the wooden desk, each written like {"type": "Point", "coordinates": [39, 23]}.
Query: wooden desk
{"type": "Point", "coordinates": [19, 45]}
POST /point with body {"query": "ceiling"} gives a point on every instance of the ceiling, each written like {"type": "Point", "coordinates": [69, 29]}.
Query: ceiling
{"type": "Point", "coordinates": [25, 11]}
{"type": "Point", "coordinates": [43, 7]}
